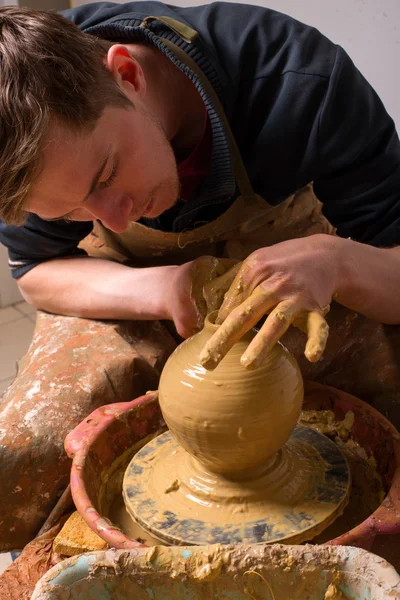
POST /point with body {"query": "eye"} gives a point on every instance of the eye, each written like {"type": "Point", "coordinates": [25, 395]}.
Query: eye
{"type": "Point", "coordinates": [110, 178]}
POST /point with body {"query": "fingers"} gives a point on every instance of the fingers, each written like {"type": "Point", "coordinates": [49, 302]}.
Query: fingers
{"type": "Point", "coordinates": [318, 331]}
{"type": "Point", "coordinates": [277, 323]}
{"type": "Point", "coordinates": [236, 324]}
{"type": "Point", "coordinates": [214, 291]}
{"type": "Point", "coordinates": [235, 295]}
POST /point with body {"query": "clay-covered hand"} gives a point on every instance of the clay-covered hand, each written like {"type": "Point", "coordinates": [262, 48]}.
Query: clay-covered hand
{"type": "Point", "coordinates": [198, 288]}
{"type": "Point", "coordinates": [294, 282]}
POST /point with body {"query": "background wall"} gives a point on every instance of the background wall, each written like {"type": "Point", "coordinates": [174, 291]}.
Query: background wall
{"type": "Point", "coordinates": [368, 29]}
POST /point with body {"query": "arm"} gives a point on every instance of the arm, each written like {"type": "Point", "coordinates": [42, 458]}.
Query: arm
{"type": "Point", "coordinates": [98, 289]}
{"type": "Point", "coordinates": [370, 280]}
{"type": "Point", "coordinates": [55, 275]}
{"type": "Point", "coordinates": [358, 159]}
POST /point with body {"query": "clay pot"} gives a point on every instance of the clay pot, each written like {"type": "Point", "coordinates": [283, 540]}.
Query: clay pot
{"type": "Point", "coordinates": [230, 419]}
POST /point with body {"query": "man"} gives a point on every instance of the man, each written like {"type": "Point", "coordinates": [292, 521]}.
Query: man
{"type": "Point", "coordinates": [115, 146]}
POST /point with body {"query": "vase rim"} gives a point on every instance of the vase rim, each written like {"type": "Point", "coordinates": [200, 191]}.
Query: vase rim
{"type": "Point", "coordinates": [209, 321]}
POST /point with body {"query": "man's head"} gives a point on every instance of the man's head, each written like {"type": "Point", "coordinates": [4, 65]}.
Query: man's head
{"type": "Point", "coordinates": [68, 120]}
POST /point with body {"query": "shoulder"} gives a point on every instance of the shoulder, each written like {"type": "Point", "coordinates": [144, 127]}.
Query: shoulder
{"type": "Point", "coordinates": [234, 32]}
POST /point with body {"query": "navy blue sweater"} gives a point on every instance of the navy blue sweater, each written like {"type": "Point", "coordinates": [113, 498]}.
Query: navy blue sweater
{"type": "Point", "coordinates": [297, 105]}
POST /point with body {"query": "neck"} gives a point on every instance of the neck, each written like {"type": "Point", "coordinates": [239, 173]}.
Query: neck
{"type": "Point", "coordinates": [173, 98]}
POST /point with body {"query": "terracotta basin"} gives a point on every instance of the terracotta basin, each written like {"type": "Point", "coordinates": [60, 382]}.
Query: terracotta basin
{"type": "Point", "coordinates": [102, 446]}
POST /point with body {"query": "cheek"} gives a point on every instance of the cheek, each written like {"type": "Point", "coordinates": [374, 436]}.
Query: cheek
{"type": "Point", "coordinates": [155, 156]}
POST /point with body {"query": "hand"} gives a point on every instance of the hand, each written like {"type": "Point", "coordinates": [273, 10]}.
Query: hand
{"type": "Point", "coordinates": [294, 282]}
{"type": "Point", "coordinates": [196, 289]}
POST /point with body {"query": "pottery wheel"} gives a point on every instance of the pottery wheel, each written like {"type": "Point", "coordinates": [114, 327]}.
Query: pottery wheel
{"type": "Point", "coordinates": [301, 490]}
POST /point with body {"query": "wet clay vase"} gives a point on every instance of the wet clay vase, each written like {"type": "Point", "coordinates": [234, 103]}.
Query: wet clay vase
{"type": "Point", "coordinates": [232, 420]}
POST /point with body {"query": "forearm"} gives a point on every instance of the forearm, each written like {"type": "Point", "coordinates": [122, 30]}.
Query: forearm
{"type": "Point", "coordinates": [368, 279]}
{"type": "Point", "coordinates": [97, 289]}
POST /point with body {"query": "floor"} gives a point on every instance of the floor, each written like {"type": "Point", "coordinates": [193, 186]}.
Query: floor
{"type": "Point", "coordinates": [17, 323]}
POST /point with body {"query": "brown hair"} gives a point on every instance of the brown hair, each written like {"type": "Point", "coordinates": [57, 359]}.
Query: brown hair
{"type": "Point", "coordinates": [48, 68]}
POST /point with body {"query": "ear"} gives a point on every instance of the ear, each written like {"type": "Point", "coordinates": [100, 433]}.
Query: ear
{"type": "Point", "coordinates": [126, 70]}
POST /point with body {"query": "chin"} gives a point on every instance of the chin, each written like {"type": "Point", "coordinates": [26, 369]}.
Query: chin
{"type": "Point", "coordinates": [160, 207]}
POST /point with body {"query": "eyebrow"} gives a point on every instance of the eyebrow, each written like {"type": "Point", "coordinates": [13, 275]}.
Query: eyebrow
{"type": "Point", "coordinates": [93, 185]}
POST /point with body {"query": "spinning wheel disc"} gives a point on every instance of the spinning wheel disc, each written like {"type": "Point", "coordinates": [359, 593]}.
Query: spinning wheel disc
{"type": "Point", "coordinates": [302, 489]}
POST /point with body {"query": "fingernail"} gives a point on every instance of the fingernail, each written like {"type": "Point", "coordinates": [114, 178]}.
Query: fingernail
{"type": "Point", "coordinates": [208, 361]}
{"type": "Point", "coordinates": [248, 364]}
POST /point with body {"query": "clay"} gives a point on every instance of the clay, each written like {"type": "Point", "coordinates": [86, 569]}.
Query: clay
{"type": "Point", "coordinates": [294, 497]}
{"type": "Point", "coordinates": [232, 420]}
{"type": "Point", "coordinates": [367, 491]}
{"type": "Point", "coordinates": [334, 593]}
{"type": "Point", "coordinates": [227, 462]}
{"type": "Point", "coordinates": [210, 279]}
{"type": "Point", "coordinates": [215, 290]}
{"type": "Point", "coordinates": [121, 518]}
{"type": "Point", "coordinates": [218, 572]}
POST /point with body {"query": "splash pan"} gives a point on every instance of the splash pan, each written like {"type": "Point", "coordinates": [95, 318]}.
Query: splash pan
{"type": "Point", "coordinates": [222, 572]}
{"type": "Point", "coordinates": [103, 445]}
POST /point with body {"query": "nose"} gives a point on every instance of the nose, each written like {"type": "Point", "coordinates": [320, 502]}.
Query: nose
{"type": "Point", "coordinates": [114, 213]}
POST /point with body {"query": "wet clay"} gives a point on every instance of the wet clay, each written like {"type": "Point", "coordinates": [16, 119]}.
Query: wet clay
{"type": "Point", "coordinates": [233, 420]}
{"type": "Point", "coordinates": [217, 572]}
{"type": "Point", "coordinates": [294, 497]}
{"type": "Point", "coordinates": [227, 470]}
{"type": "Point", "coordinates": [210, 279]}
{"type": "Point", "coordinates": [334, 593]}
{"type": "Point", "coordinates": [120, 517]}
{"type": "Point", "coordinates": [367, 492]}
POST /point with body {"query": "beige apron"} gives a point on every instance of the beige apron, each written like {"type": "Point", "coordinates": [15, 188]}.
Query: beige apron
{"type": "Point", "coordinates": [250, 223]}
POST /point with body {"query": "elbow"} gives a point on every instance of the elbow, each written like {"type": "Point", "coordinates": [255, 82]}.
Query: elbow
{"type": "Point", "coordinates": [28, 289]}
{"type": "Point", "coordinates": [27, 295]}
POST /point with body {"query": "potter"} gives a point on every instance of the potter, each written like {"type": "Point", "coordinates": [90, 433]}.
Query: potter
{"type": "Point", "coordinates": [121, 198]}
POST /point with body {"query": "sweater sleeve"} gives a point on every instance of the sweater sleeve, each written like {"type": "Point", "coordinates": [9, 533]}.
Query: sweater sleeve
{"type": "Point", "coordinates": [358, 171]}
{"type": "Point", "coordinates": [38, 241]}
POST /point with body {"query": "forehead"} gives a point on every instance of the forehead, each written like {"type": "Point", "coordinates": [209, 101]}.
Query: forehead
{"type": "Point", "coordinates": [69, 160]}
{"type": "Point", "coordinates": [67, 155]}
